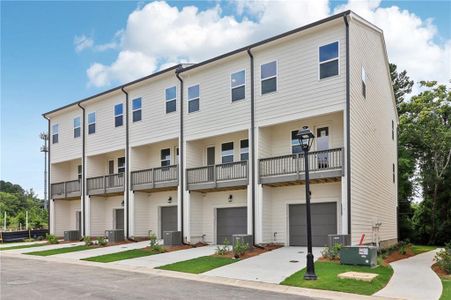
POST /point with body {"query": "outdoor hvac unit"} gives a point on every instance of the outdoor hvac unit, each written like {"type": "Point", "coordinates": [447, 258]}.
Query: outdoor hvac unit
{"type": "Point", "coordinates": [343, 239]}
{"type": "Point", "coordinates": [72, 235]}
{"type": "Point", "coordinates": [114, 235]}
{"type": "Point", "coordinates": [172, 238]}
{"type": "Point", "coordinates": [359, 255]}
{"type": "Point", "coordinates": [244, 238]}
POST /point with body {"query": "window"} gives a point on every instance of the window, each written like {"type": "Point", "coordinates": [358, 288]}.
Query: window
{"type": "Point", "coordinates": [244, 150]}
{"type": "Point", "coordinates": [55, 133]}
{"type": "Point", "coordinates": [165, 157]}
{"type": "Point", "coordinates": [171, 97]}
{"type": "Point", "coordinates": [136, 110]}
{"type": "Point", "coordinates": [227, 152]}
{"type": "Point", "coordinates": [394, 176]}
{"type": "Point", "coordinates": [91, 123]}
{"type": "Point", "coordinates": [118, 115]}
{"type": "Point", "coordinates": [77, 128]}
{"type": "Point", "coordinates": [268, 75]}
{"type": "Point", "coordinates": [80, 171]}
{"type": "Point", "coordinates": [121, 165]}
{"type": "Point", "coordinates": [193, 98]}
{"type": "Point", "coordinates": [295, 144]}
{"type": "Point", "coordinates": [238, 85]}
{"type": "Point", "coordinates": [392, 130]}
{"type": "Point", "coordinates": [328, 60]}
{"type": "Point", "coordinates": [363, 83]}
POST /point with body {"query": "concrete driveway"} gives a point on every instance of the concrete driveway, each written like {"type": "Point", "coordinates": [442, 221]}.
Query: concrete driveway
{"type": "Point", "coordinates": [272, 267]}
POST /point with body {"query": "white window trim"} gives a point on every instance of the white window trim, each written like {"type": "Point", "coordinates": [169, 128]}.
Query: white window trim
{"type": "Point", "coordinates": [248, 144]}
{"type": "Point", "coordinates": [122, 115]}
{"type": "Point", "coordinates": [290, 139]}
{"type": "Point", "coordinates": [187, 92]}
{"type": "Point", "coordinates": [323, 125]}
{"type": "Point", "coordinates": [79, 126]}
{"type": "Point", "coordinates": [56, 133]}
{"type": "Point", "coordinates": [133, 110]}
{"type": "Point", "coordinates": [234, 87]}
{"type": "Point", "coordinates": [173, 99]}
{"type": "Point", "coordinates": [233, 151]}
{"type": "Point", "coordinates": [329, 60]}
{"type": "Point", "coordinates": [274, 76]}
{"type": "Point", "coordinates": [170, 157]}
{"type": "Point", "coordinates": [95, 122]}
{"type": "Point", "coordinates": [118, 166]}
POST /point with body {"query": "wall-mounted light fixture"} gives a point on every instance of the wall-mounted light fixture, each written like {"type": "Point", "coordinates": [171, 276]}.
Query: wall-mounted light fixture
{"type": "Point", "coordinates": [122, 203]}
{"type": "Point", "coordinates": [230, 198]}
{"type": "Point", "coordinates": [169, 199]}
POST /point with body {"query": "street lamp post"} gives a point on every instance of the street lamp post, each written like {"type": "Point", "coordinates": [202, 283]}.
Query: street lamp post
{"type": "Point", "coordinates": [45, 149]}
{"type": "Point", "coordinates": [305, 137]}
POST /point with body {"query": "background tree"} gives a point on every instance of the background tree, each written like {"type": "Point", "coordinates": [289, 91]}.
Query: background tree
{"type": "Point", "coordinates": [402, 84]}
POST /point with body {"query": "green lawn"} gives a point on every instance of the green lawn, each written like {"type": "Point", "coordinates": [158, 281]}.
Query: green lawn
{"type": "Point", "coordinates": [418, 249]}
{"type": "Point", "coordinates": [22, 246]}
{"type": "Point", "coordinates": [199, 265]}
{"type": "Point", "coordinates": [446, 294]}
{"type": "Point", "coordinates": [327, 278]}
{"type": "Point", "coordinates": [121, 255]}
{"type": "Point", "coordinates": [60, 250]}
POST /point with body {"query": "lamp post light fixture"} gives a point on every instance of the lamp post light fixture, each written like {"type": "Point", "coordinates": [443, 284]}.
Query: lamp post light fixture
{"type": "Point", "coordinates": [44, 136]}
{"type": "Point", "coordinates": [306, 137]}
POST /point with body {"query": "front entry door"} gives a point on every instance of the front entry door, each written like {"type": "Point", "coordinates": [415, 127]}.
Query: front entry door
{"type": "Point", "coordinates": [119, 218]}
{"type": "Point", "coordinates": [211, 162]}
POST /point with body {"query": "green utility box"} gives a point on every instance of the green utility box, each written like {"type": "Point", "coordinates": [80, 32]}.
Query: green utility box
{"type": "Point", "coordinates": [359, 255]}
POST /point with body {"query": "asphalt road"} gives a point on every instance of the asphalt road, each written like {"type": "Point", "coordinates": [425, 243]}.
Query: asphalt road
{"type": "Point", "coordinates": [33, 279]}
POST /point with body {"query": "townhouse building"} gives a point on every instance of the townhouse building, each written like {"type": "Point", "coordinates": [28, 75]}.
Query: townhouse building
{"type": "Point", "coordinates": [210, 149]}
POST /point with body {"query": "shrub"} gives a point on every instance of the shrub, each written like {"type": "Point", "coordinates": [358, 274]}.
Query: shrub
{"type": "Point", "coordinates": [239, 248]}
{"type": "Point", "coordinates": [87, 240]}
{"type": "Point", "coordinates": [332, 252]}
{"type": "Point", "coordinates": [52, 239]}
{"type": "Point", "coordinates": [222, 250]}
{"type": "Point", "coordinates": [28, 240]}
{"type": "Point", "coordinates": [154, 243]}
{"type": "Point", "coordinates": [443, 258]}
{"type": "Point", "coordinates": [102, 241]}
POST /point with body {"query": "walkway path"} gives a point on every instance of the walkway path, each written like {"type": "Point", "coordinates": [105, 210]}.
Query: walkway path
{"type": "Point", "coordinates": [413, 279]}
{"type": "Point", "coordinates": [103, 250]}
{"type": "Point", "coordinates": [42, 248]}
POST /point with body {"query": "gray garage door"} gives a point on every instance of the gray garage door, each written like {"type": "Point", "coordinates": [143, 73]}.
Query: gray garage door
{"type": "Point", "coordinates": [168, 219]}
{"type": "Point", "coordinates": [324, 222]}
{"type": "Point", "coordinates": [230, 221]}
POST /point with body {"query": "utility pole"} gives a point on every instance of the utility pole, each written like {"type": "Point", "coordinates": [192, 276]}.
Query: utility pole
{"type": "Point", "coordinates": [45, 148]}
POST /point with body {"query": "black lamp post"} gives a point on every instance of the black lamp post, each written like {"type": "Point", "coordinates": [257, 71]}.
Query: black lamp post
{"type": "Point", "coordinates": [305, 137]}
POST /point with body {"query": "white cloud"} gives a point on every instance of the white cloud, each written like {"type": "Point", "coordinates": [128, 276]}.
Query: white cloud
{"type": "Point", "coordinates": [159, 35]}
{"type": "Point", "coordinates": [83, 42]}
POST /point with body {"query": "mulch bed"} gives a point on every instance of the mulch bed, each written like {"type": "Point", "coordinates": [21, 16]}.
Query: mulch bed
{"type": "Point", "coordinates": [440, 272]}
{"type": "Point", "coordinates": [395, 255]}
{"type": "Point", "coordinates": [254, 251]}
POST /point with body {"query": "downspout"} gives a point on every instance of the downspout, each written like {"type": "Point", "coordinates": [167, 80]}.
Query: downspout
{"type": "Point", "coordinates": [83, 170]}
{"type": "Point", "coordinates": [127, 166]}
{"type": "Point", "coordinates": [252, 144]}
{"type": "Point", "coordinates": [181, 151]}
{"type": "Point", "coordinates": [348, 125]}
{"type": "Point", "coordinates": [49, 192]}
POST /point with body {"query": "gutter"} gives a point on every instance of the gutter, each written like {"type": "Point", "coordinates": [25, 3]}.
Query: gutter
{"type": "Point", "coordinates": [127, 165]}
{"type": "Point", "coordinates": [252, 143]}
{"type": "Point", "coordinates": [49, 186]}
{"type": "Point", "coordinates": [83, 171]}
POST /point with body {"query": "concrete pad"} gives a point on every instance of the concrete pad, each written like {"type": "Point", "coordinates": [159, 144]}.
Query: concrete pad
{"type": "Point", "coordinates": [103, 250]}
{"type": "Point", "coordinates": [9, 245]}
{"type": "Point", "coordinates": [358, 276]}
{"type": "Point", "coordinates": [413, 279]}
{"type": "Point", "coordinates": [46, 247]}
{"type": "Point", "coordinates": [162, 259]}
{"type": "Point", "coordinates": [273, 266]}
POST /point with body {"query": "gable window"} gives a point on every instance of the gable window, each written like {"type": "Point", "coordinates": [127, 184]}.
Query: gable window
{"type": "Point", "coordinates": [268, 75]}
{"type": "Point", "coordinates": [118, 115]}
{"type": "Point", "coordinates": [244, 150]}
{"type": "Point", "coordinates": [91, 123]}
{"type": "Point", "coordinates": [79, 171]}
{"type": "Point", "coordinates": [121, 165]}
{"type": "Point", "coordinates": [55, 133]}
{"type": "Point", "coordinates": [363, 83]}
{"type": "Point", "coordinates": [136, 110]}
{"type": "Point", "coordinates": [238, 85]}
{"type": "Point", "coordinates": [227, 152]}
{"type": "Point", "coordinates": [392, 130]}
{"type": "Point", "coordinates": [193, 98]}
{"type": "Point", "coordinates": [328, 60]}
{"type": "Point", "coordinates": [171, 97]}
{"type": "Point", "coordinates": [295, 144]}
{"type": "Point", "coordinates": [165, 157]}
{"type": "Point", "coordinates": [77, 128]}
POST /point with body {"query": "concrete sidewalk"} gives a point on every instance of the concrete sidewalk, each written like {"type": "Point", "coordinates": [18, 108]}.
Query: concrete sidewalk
{"type": "Point", "coordinates": [5, 246]}
{"type": "Point", "coordinates": [42, 248]}
{"type": "Point", "coordinates": [413, 279]}
{"type": "Point", "coordinates": [272, 267]}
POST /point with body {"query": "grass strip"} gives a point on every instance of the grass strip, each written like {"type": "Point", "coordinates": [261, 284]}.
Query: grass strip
{"type": "Point", "coordinates": [129, 254]}
{"type": "Point", "coordinates": [446, 293]}
{"type": "Point", "coordinates": [327, 278]}
{"type": "Point", "coordinates": [199, 265]}
{"type": "Point", "coordinates": [418, 249]}
{"type": "Point", "coordinates": [59, 250]}
{"type": "Point", "coordinates": [23, 246]}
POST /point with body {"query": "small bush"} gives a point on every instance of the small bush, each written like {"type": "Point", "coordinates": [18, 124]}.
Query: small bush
{"type": "Point", "coordinates": [332, 252]}
{"type": "Point", "coordinates": [222, 250]}
{"type": "Point", "coordinates": [443, 258]}
{"type": "Point", "coordinates": [154, 243]}
{"type": "Point", "coordinates": [28, 240]}
{"type": "Point", "coordinates": [239, 248]}
{"type": "Point", "coordinates": [88, 241]}
{"type": "Point", "coordinates": [52, 239]}
{"type": "Point", "coordinates": [102, 241]}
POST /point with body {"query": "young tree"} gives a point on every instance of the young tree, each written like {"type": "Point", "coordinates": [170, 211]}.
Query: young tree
{"type": "Point", "coordinates": [402, 84]}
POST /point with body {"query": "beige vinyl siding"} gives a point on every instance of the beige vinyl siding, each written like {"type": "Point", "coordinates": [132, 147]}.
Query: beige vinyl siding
{"type": "Point", "coordinates": [65, 215]}
{"type": "Point", "coordinates": [68, 147]}
{"type": "Point", "coordinates": [98, 165]}
{"type": "Point", "coordinates": [64, 171]}
{"type": "Point", "coordinates": [373, 193]}
{"type": "Point", "coordinates": [149, 156]}
{"type": "Point", "coordinates": [102, 213]}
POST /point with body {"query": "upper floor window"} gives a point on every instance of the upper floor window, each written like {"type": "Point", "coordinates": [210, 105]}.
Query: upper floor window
{"type": "Point", "coordinates": [136, 110]}
{"type": "Point", "coordinates": [227, 152]}
{"type": "Point", "coordinates": [121, 165]}
{"type": "Point", "coordinates": [295, 144]}
{"type": "Point", "coordinates": [77, 127]}
{"type": "Point", "coordinates": [238, 85]}
{"type": "Point", "coordinates": [268, 75]}
{"type": "Point", "coordinates": [193, 98]}
{"type": "Point", "coordinates": [55, 133]}
{"type": "Point", "coordinates": [363, 83]}
{"type": "Point", "coordinates": [118, 115]}
{"type": "Point", "coordinates": [80, 171]}
{"type": "Point", "coordinates": [165, 157]}
{"type": "Point", "coordinates": [244, 149]}
{"type": "Point", "coordinates": [171, 97]}
{"type": "Point", "coordinates": [328, 60]}
{"type": "Point", "coordinates": [91, 123]}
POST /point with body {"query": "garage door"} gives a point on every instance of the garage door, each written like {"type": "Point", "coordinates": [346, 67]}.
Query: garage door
{"type": "Point", "coordinates": [168, 219]}
{"type": "Point", "coordinates": [324, 222]}
{"type": "Point", "coordinates": [230, 221]}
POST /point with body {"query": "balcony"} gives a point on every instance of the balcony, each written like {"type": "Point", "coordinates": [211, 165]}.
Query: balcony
{"type": "Point", "coordinates": [218, 177]}
{"type": "Point", "coordinates": [66, 190]}
{"type": "Point", "coordinates": [162, 178]}
{"type": "Point", "coordinates": [324, 166]}
{"type": "Point", "coordinates": [106, 185]}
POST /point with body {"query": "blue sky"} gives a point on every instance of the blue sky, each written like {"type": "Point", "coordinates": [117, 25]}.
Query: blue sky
{"type": "Point", "coordinates": [41, 69]}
